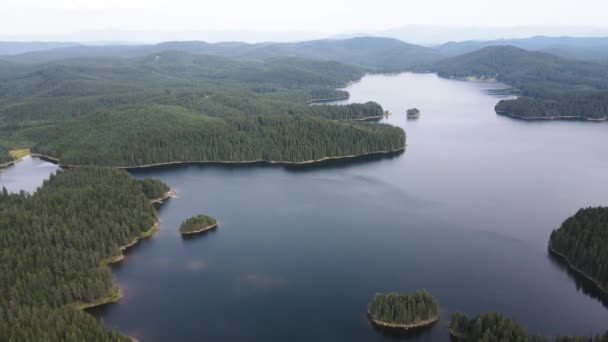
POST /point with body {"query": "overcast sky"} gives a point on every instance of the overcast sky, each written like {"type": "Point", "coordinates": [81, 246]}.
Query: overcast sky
{"type": "Point", "coordinates": [22, 18]}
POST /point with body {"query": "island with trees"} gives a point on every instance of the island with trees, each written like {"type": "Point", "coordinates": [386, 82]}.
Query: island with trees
{"type": "Point", "coordinates": [581, 242]}
{"type": "Point", "coordinates": [413, 113]}
{"type": "Point", "coordinates": [404, 311]}
{"type": "Point", "coordinates": [197, 225]}
{"type": "Point", "coordinates": [73, 226]}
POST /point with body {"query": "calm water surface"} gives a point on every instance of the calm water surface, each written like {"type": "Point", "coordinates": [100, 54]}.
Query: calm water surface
{"type": "Point", "coordinates": [465, 212]}
{"type": "Point", "coordinates": [27, 175]}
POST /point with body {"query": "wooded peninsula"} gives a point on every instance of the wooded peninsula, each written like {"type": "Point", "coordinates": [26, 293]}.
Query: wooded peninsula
{"type": "Point", "coordinates": [55, 247]}
{"type": "Point", "coordinates": [581, 243]}
{"type": "Point", "coordinates": [175, 106]}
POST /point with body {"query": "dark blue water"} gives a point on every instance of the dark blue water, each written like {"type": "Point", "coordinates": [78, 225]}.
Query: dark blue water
{"type": "Point", "coordinates": [465, 212]}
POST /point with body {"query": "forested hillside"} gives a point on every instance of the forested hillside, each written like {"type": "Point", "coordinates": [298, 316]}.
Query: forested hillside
{"type": "Point", "coordinates": [583, 48]}
{"type": "Point", "coordinates": [175, 106]}
{"type": "Point", "coordinates": [373, 53]}
{"type": "Point", "coordinates": [54, 246]}
{"type": "Point", "coordinates": [582, 241]}
{"type": "Point", "coordinates": [491, 327]}
{"type": "Point", "coordinates": [550, 86]}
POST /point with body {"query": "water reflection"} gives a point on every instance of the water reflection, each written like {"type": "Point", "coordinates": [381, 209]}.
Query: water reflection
{"type": "Point", "coordinates": [581, 282]}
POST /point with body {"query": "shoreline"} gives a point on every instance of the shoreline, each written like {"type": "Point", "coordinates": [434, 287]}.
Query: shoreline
{"type": "Point", "coordinates": [368, 118]}
{"type": "Point", "coordinates": [552, 118]}
{"type": "Point", "coordinates": [115, 293]}
{"type": "Point", "coordinates": [33, 155]}
{"type": "Point", "coordinates": [57, 161]}
{"type": "Point", "coordinates": [200, 231]}
{"type": "Point", "coordinates": [169, 194]}
{"type": "Point", "coordinates": [341, 98]}
{"type": "Point", "coordinates": [233, 162]}
{"type": "Point", "coordinates": [567, 262]}
{"type": "Point", "coordinates": [456, 335]}
{"type": "Point", "coordinates": [421, 324]}
{"type": "Point", "coordinates": [258, 161]}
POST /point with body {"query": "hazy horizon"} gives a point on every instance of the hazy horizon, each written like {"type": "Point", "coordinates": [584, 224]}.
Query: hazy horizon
{"type": "Point", "coordinates": [429, 22]}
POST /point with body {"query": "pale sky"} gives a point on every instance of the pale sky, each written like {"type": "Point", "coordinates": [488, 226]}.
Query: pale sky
{"type": "Point", "coordinates": [22, 18]}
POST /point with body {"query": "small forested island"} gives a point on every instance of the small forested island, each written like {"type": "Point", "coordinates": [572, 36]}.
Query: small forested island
{"type": "Point", "coordinates": [73, 226]}
{"type": "Point", "coordinates": [496, 327]}
{"type": "Point", "coordinates": [404, 311]}
{"type": "Point", "coordinates": [198, 224]}
{"type": "Point", "coordinates": [582, 242]}
{"type": "Point", "coordinates": [413, 113]}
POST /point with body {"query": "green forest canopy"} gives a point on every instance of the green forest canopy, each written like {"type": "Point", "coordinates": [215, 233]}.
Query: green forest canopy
{"type": "Point", "coordinates": [175, 106]}
{"type": "Point", "coordinates": [54, 246]}
{"type": "Point", "coordinates": [153, 188]}
{"type": "Point", "coordinates": [490, 327]}
{"type": "Point", "coordinates": [404, 309]}
{"type": "Point", "coordinates": [582, 240]}
{"type": "Point", "coordinates": [197, 223]}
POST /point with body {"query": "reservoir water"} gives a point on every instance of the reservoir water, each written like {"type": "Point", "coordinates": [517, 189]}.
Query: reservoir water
{"type": "Point", "coordinates": [465, 212]}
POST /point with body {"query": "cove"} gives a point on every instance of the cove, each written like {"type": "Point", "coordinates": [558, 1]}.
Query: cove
{"type": "Point", "coordinates": [465, 213]}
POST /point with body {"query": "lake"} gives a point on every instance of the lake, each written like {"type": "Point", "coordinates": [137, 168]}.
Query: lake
{"type": "Point", "coordinates": [465, 212]}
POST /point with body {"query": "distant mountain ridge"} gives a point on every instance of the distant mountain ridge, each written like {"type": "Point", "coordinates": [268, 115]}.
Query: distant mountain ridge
{"type": "Point", "coordinates": [16, 48]}
{"type": "Point", "coordinates": [584, 48]}
{"type": "Point", "coordinates": [377, 54]}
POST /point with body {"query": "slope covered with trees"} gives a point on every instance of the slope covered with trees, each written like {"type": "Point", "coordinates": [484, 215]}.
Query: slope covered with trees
{"type": "Point", "coordinates": [583, 48]}
{"type": "Point", "coordinates": [549, 86]}
{"type": "Point", "coordinates": [153, 188]}
{"type": "Point", "coordinates": [174, 106]}
{"type": "Point", "coordinates": [581, 241]}
{"type": "Point", "coordinates": [372, 53]}
{"type": "Point", "coordinates": [493, 326]}
{"type": "Point", "coordinates": [54, 247]}
{"type": "Point", "coordinates": [404, 310]}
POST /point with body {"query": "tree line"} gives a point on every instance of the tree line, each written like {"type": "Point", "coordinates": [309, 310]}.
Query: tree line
{"type": "Point", "coordinates": [490, 327]}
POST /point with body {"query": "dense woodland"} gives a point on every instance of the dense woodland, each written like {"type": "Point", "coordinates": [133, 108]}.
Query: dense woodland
{"type": "Point", "coordinates": [153, 188]}
{"type": "Point", "coordinates": [404, 309]}
{"type": "Point", "coordinates": [583, 239]}
{"type": "Point", "coordinates": [197, 223]}
{"type": "Point", "coordinates": [492, 327]}
{"type": "Point", "coordinates": [594, 106]}
{"type": "Point", "coordinates": [175, 106]}
{"type": "Point", "coordinates": [551, 86]}
{"type": "Point", "coordinates": [54, 246]}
